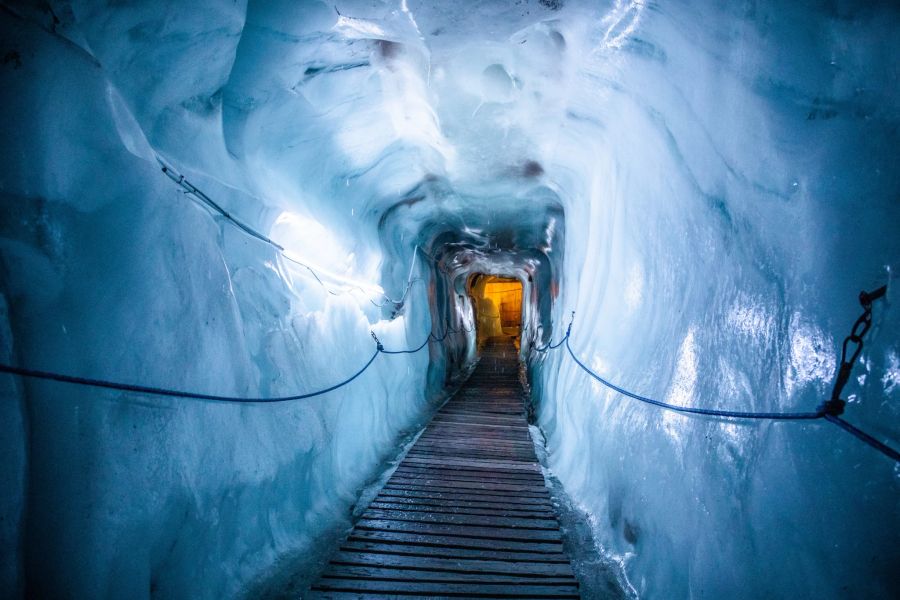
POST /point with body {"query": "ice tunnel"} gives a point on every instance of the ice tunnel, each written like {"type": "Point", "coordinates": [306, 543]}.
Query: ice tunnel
{"type": "Point", "coordinates": [211, 203]}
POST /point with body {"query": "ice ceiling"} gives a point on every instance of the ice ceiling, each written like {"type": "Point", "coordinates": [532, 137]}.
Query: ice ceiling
{"type": "Point", "coordinates": [706, 187]}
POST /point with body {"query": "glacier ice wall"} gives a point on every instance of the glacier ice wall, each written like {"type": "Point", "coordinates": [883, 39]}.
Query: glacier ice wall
{"type": "Point", "coordinates": [733, 192]}
{"type": "Point", "coordinates": [111, 271]}
{"type": "Point", "coordinates": [707, 187]}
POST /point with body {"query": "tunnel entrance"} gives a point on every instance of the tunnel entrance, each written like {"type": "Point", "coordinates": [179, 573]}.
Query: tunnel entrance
{"type": "Point", "coordinates": [498, 306]}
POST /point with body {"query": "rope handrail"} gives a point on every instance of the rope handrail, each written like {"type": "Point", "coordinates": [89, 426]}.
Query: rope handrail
{"type": "Point", "coordinates": [550, 345]}
{"type": "Point", "coordinates": [160, 391]}
{"type": "Point", "coordinates": [830, 410]}
{"type": "Point", "coordinates": [192, 190]}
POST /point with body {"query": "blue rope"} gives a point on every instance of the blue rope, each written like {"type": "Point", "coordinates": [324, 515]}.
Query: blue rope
{"type": "Point", "coordinates": [728, 414]}
{"type": "Point", "coordinates": [824, 411]}
{"type": "Point", "coordinates": [551, 346]}
{"type": "Point", "coordinates": [430, 337]}
{"type": "Point", "coordinates": [158, 391]}
{"type": "Point", "coordinates": [864, 437]}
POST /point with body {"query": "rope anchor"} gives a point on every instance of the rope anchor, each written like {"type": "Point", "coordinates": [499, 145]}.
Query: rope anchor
{"type": "Point", "coordinates": [835, 405]}
{"type": "Point", "coordinates": [378, 343]}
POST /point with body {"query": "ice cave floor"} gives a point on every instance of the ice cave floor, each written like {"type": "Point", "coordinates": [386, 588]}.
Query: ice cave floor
{"type": "Point", "coordinates": [468, 509]}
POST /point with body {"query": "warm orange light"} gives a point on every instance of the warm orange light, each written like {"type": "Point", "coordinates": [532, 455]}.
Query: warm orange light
{"type": "Point", "coordinates": [498, 303]}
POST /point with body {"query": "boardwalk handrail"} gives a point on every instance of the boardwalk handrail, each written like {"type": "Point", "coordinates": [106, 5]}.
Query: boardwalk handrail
{"type": "Point", "coordinates": [160, 391]}
{"type": "Point", "coordinates": [830, 410]}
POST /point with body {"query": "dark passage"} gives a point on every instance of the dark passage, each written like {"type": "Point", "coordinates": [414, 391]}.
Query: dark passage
{"type": "Point", "coordinates": [468, 512]}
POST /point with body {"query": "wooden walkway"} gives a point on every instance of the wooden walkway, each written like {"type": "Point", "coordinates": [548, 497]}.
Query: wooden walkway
{"type": "Point", "coordinates": [467, 512]}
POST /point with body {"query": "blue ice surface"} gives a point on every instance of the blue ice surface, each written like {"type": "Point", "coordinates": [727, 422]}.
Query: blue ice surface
{"type": "Point", "coordinates": [706, 187]}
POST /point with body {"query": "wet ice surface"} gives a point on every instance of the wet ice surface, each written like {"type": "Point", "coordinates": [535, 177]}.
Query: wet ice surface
{"type": "Point", "coordinates": [600, 574]}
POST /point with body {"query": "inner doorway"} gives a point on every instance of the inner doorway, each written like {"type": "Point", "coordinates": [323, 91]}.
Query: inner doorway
{"type": "Point", "coordinates": [498, 306]}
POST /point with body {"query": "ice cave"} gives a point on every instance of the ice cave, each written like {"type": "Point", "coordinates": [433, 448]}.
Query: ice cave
{"type": "Point", "coordinates": [488, 298]}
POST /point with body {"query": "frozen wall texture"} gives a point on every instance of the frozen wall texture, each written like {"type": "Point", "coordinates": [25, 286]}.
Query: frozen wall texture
{"type": "Point", "coordinates": [707, 185]}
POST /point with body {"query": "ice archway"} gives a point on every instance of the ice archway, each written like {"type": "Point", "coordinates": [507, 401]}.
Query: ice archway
{"type": "Point", "coordinates": [706, 187]}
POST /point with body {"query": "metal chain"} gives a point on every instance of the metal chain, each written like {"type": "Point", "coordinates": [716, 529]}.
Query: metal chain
{"type": "Point", "coordinates": [852, 346]}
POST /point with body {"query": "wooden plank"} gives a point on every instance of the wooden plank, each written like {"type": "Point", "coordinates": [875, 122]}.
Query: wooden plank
{"type": "Point", "coordinates": [469, 473]}
{"type": "Point", "coordinates": [473, 441]}
{"type": "Point", "coordinates": [453, 565]}
{"type": "Point", "coordinates": [483, 452]}
{"type": "Point", "coordinates": [367, 572]}
{"type": "Point", "coordinates": [458, 498]}
{"type": "Point", "coordinates": [480, 419]}
{"type": "Point", "coordinates": [432, 590]}
{"type": "Point", "coordinates": [448, 487]}
{"type": "Point", "coordinates": [463, 485]}
{"type": "Point", "coordinates": [461, 531]}
{"type": "Point", "coordinates": [458, 519]}
{"type": "Point", "coordinates": [465, 505]}
{"type": "Point", "coordinates": [485, 463]}
{"type": "Point", "coordinates": [453, 553]}
{"type": "Point", "coordinates": [463, 455]}
{"type": "Point", "coordinates": [439, 541]}
{"type": "Point", "coordinates": [484, 442]}
{"type": "Point", "coordinates": [455, 476]}
{"type": "Point", "coordinates": [447, 509]}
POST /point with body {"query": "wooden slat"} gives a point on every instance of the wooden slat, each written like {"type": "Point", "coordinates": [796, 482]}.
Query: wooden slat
{"type": "Point", "coordinates": [485, 532]}
{"type": "Point", "coordinates": [468, 495]}
{"type": "Point", "coordinates": [467, 513]}
{"type": "Point", "coordinates": [445, 552]}
{"type": "Point", "coordinates": [468, 487]}
{"type": "Point", "coordinates": [455, 565]}
{"type": "Point", "coordinates": [458, 519]}
{"type": "Point", "coordinates": [433, 590]}
{"type": "Point", "coordinates": [340, 571]}
{"type": "Point", "coordinates": [524, 489]}
{"type": "Point", "coordinates": [437, 540]}
{"type": "Point", "coordinates": [438, 508]}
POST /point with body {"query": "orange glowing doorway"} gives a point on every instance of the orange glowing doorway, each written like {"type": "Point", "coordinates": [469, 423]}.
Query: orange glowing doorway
{"type": "Point", "coordinates": [498, 306]}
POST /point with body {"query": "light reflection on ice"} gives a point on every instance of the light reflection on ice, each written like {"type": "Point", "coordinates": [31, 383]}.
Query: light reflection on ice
{"type": "Point", "coordinates": [308, 242]}
{"type": "Point", "coordinates": [735, 386]}
{"type": "Point", "coordinates": [621, 22]}
{"type": "Point", "coordinates": [358, 28]}
{"type": "Point", "coordinates": [891, 378]}
{"type": "Point", "coordinates": [681, 390]}
{"type": "Point", "coordinates": [598, 365]}
{"type": "Point", "coordinates": [811, 355]}
{"type": "Point", "coordinates": [634, 289]}
{"type": "Point", "coordinates": [750, 318]}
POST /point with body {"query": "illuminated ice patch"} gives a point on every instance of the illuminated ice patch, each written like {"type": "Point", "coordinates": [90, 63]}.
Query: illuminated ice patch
{"type": "Point", "coordinates": [681, 390]}
{"type": "Point", "coordinates": [621, 22]}
{"type": "Point", "coordinates": [750, 318]}
{"type": "Point", "coordinates": [598, 365]}
{"type": "Point", "coordinates": [308, 242]}
{"type": "Point", "coordinates": [634, 288]}
{"type": "Point", "coordinates": [811, 355]}
{"type": "Point", "coordinates": [891, 378]}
